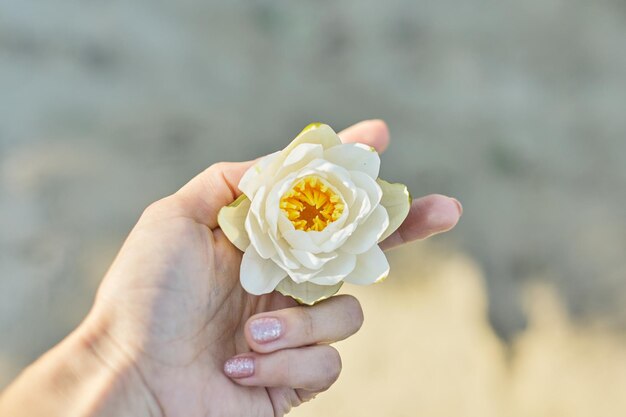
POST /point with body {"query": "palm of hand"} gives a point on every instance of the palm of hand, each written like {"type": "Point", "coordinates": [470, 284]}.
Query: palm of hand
{"type": "Point", "coordinates": [187, 318]}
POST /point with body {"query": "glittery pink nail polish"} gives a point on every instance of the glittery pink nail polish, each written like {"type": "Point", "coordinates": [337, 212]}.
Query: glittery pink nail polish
{"type": "Point", "coordinates": [240, 367]}
{"type": "Point", "coordinates": [265, 329]}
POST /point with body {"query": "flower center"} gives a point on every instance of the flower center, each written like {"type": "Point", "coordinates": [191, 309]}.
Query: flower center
{"type": "Point", "coordinates": [311, 204]}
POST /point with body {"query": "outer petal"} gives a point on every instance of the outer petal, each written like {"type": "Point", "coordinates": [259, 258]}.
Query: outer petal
{"type": "Point", "coordinates": [302, 275]}
{"type": "Point", "coordinates": [231, 219]}
{"type": "Point", "coordinates": [335, 270]}
{"type": "Point", "coordinates": [338, 238]}
{"type": "Point", "coordinates": [397, 201]}
{"type": "Point", "coordinates": [355, 157]}
{"type": "Point", "coordinates": [256, 233]}
{"type": "Point", "coordinates": [371, 266]}
{"type": "Point", "coordinates": [300, 156]}
{"type": "Point", "coordinates": [256, 175]}
{"type": "Point", "coordinates": [312, 261]}
{"type": "Point", "coordinates": [360, 209]}
{"type": "Point", "coordinates": [369, 185]}
{"type": "Point", "coordinates": [315, 133]}
{"type": "Point", "coordinates": [259, 276]}
{"type": "Point", "coordinates": [307, 292]}
{"type": "Point", "coordinates": [367, 234]}
{"type": "Point", "coordinates": [283, 256]}
{"type": "Point", "coordinates": [259, 239]}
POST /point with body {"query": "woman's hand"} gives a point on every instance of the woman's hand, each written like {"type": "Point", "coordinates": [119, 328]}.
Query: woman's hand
{"type": "Point", "coordinates": [172, 333]}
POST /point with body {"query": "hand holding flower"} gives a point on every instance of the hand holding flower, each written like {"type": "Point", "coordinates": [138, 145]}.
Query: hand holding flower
{"type": "Point", "coordinates": [173, 333]}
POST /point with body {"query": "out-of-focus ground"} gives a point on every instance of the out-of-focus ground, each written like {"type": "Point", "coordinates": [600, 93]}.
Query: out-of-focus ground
{"type": "Point", "coordinates": [517, 109]}
{"type": "Point", "coordinates": [426, 349]}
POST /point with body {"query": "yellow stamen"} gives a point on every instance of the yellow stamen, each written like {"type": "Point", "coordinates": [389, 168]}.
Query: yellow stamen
{"type": "Point", "coordinates": [311, 204]}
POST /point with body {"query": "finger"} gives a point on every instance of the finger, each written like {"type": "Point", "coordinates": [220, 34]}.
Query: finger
{"type": "Point", "coordinates": [428, 216]}
{"type": "Point", "coordinates": [329, 321]}
{"type": "Point", "coordinates": [374, 133]}
{"type": "Point", "coordinates": [217, 186]}
{"type": "Point", "coordinates": [313, 368]}
{"type": "Point", "coordinates": [211, 190]}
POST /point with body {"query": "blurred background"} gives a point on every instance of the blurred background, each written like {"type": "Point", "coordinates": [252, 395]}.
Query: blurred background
{"type": "Point", "coordinates": [518, 109]}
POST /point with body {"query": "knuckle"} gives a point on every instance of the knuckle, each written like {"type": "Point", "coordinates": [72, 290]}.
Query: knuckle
{"type": "Point", "coordinates": [214, 178]}
{"type": "Point", "coordinates": [216, 167]}
{"type": "Point", "coordinates": [155, 207]}
{"type": "Point", "coordinates": [166, 207]}
{"type": "Point", "coordinates": [306, 323]}
{"type": "Point", "coordinates": [284, 372]}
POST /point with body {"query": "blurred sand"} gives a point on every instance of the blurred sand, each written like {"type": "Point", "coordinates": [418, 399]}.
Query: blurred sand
{"type": "Point", "coordinates": [426, 349]}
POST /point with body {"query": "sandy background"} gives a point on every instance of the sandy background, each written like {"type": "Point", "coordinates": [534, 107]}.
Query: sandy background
{"type": "Point", "coordinates": [515, 108]}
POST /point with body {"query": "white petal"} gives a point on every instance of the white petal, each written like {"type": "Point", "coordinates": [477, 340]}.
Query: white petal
{"type": "Point", "coordinates": [256, 233]}
{"type": "Point", "coordinates": [367, 233]}
{"type": "Point", "coordinates": [301, 155]}
{"type": "Point", "coordinates": [315, 133]}
{"type": "Point", "coordinates": [258, 238]}
{"type": "Point", "coordinates": [231, 219]}
{"type": "Point", "coordinates": [371, 266]}
{"type": "Point", "coordinates": [360, 209]}
{"type": "Point", "coordinates": [257, 174]}
{"type": "Point", "coordinates": [272, 202]}
{"type": "Point", "coordinates": [257, 206]}
{"type": "Point", "coordinates": [307, 292]}
{"type": "Point", "coordinates": [335, 270]}
{"type": "Point", "coordinates": [283, 256]}
{"type": "Point", "coordinates": [259, 276]}
{"type": "Point", "coordinates": [369, 185]}
{"type": "Point", "coordinates": [397, 201]}
{"type": "Point", "coordinates": [300, 239]}
{"type": "Point", "coordinates": [301, 275]}
{"type": "Point", "coordinates": [355, 157]}
{"type": "Point", "coordinates": [312, 261]}
{"type": "Point", "coordinates": [338, 238]}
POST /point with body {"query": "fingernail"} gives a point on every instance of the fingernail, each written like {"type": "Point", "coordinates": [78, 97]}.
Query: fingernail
{"type": "Point", "coordinates": [265, 329]}
{"type": "Point", "coordinates": [459, 206]}
{"type": "Point", "coordinates": [239, 367]}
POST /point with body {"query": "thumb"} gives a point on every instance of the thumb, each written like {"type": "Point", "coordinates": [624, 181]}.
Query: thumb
{"type": "Point", "coordinates": [204, 196]}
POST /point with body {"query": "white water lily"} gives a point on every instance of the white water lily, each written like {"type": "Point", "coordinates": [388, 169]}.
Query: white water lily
{"type": "Point", "coordinates": [311, 216]}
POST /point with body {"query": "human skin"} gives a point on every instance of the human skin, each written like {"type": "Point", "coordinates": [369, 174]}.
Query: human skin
{"type": "Point", "coordinates": [170, 313]}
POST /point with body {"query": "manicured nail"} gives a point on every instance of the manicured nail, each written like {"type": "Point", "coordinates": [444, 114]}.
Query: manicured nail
{"type": "Point", "coordinates": [240, 367]}
{"type": "Point", "coordinates": [265, 329]}
{"type": "Point", "coordinates": [459, 206]}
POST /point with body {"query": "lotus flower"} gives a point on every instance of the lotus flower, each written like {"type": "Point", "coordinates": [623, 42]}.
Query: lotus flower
{"type": "Point", "coordinates": [311, 216]}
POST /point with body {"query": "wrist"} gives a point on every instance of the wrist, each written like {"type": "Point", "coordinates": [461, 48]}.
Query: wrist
{"type": "Point", "coordinates": [86, 375]}
{"type": "Point", "coordinates": [120, 386]}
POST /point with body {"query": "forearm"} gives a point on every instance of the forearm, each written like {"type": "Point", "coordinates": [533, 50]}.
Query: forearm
{"type": "Point", "coordinates": [85, 375]}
